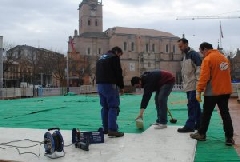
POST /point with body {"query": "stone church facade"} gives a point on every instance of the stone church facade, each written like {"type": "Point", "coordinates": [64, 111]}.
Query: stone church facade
{"type": "Point", "coordinates": [235, 66]}
{"type": "Point", "coordinates": [144, 49]}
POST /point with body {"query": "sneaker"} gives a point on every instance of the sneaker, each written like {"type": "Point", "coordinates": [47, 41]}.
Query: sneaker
{"type": "Point", "coordinates": [115, 134]}
{"type": "Point", "coordinates": [185, 130]}
{"type": "Point", "coordinates": [229, 142]}
{"type": "Point", "coordinates": [160, 126]}
{"type": "Point", "coordinates": [197, 136]}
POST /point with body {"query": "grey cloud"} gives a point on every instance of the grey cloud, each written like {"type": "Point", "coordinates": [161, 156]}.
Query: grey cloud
{"type": "Point", "coordinates": [55, 20]}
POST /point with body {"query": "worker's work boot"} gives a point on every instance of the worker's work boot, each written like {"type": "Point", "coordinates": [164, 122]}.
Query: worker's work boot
{"type": "Point", "coordinates": [229, 141]}
{"type": "Point", "coordinates": [198, 136]}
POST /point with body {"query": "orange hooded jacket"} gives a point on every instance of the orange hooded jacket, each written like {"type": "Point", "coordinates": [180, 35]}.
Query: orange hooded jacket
{"type": "Point", "coordinates": [215, 78]}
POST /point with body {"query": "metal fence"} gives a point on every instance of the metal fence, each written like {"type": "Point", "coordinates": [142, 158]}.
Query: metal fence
{"type": "Point", "coordinates": [10, 93]}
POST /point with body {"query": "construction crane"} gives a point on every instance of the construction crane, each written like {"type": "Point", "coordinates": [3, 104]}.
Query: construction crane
{"type": "Point", "coordinates": [206, 17]}
{"type": "Point", "coordinates": [209, 17]}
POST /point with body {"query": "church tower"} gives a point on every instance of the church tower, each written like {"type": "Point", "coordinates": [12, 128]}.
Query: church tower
{"type": "Point", "coordinates": [90, 16]}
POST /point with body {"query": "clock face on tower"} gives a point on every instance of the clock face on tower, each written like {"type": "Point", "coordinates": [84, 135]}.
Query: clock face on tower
{"type": "Point", "coordinates": [93, 9]}
{"type": "Point", "coordinates": [93, 13]}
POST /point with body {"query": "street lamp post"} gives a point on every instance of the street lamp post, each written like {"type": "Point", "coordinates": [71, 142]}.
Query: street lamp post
{"type": "Point", "coordinates": [41, 74]}
{"type": "Point", "coordinates": [1, 66]}
{"type": "Point", "coordinates": [67, 75]}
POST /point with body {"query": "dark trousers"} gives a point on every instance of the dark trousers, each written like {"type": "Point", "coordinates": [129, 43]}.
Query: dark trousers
{"type": "Point", "coordinates": [194, 111]}
{"type": "Point", "coordinates": [209, 104]}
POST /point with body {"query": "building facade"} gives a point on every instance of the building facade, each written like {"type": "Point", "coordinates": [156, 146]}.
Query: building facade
{"type": "Point", "coordinates": [144, 49]}
{"type": "Point", "coordinates": [27, 65]}
{"type": "Point", "coordinates": [235, 66]}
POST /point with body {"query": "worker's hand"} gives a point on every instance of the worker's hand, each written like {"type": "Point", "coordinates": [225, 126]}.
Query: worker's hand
{"type": "Point", "coordinates": [140, 116]}
{"type": "Point", "coordinates": [198, 96]}
{"type": "Point", "coordinates": [121, 91]}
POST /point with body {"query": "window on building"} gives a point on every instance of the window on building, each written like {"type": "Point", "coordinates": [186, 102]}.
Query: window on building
{"type": "Point", "coordinates": [29, 70]}
{"type": "Point", "coordinates": [153, 47]}
{"type": "Point", "coordinates": [132, 46]}
{"type": "Point", "coordinates": [167, 48]}
{"type": "Point", "coordinates": [149, 64]}
{"type": "Point", "coordinates": [99, 51]}
{"type": "Point", "coordinates": [147, 48]}
{"type": "Point", "coordinates": [96, 23]}
{"type": "Point", "coordinates": [89, 51]}
{"type": "Point", "coordinates": [89, 22]}
{"type": "Point", "coordinates": [173, 49]}
{"type": "Point", "coordinates": [125, 46]}
{"type": "Point", "coordinates": [74, 68]}
{"type": "Point", "coordinates": [81, 23]}
{"type": "Point", "coordinates": [34, 56]}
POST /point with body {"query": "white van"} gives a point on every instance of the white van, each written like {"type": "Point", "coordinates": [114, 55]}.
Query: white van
{"type": "Point", "coordinates": [23, 85]}
{"type": "Point", "coordinates": [49, 85]}
{"type": "Point", "coordinates": [38, 86]}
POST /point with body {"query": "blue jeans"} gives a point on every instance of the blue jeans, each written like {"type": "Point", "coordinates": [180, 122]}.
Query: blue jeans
{"type": "Point", "coordinates": [110, 101]}
{"type": "Point", "coordinates": [161, 99]}
{"type": "Point", "coordinates": [194, 111]}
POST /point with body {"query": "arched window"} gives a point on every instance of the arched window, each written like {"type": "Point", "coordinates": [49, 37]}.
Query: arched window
{"type": "Point", "coordinates": [173, 49]}
{"type": "Point", "coordinates": [149, 64]}
{"type": "Point", "coordinates": [167, 48]}
{"type": "Point", "coordinates": [89, 22]}
{"type": "Point", "coordinates": [147, 48]}
{"type": "Point", "coordinates": [125, 46]}
{"type": "Point", "coordinates": [132, 46]}
{"type": "Point", "coordinates": [99, 51]}
{"type": "Point", "coordinates": [96, 23]}
{"type": "Point", "coordinates": [89, 51]}
{"type": "Point", "coordinates": [153, 47]}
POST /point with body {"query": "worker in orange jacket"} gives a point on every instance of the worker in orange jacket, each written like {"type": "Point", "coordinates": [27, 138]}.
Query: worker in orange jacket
{"type": "Point", "coordinates": [215, 82]}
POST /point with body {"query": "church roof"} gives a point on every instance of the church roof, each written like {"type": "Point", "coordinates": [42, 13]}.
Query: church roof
{"type": "Point", "coordinates": [141, 31]}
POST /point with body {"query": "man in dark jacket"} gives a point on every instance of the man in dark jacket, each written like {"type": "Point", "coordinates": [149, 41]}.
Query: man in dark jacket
{"type": "Point", "coordinates": [190, 75]}
{"type": "Point", "coordinates": [158, 81]}
{"type": "Point", "coordinates": [109, 80]}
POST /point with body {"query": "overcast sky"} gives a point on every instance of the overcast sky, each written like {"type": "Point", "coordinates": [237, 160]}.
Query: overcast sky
{"type": "Point", "coordinates": [49, 23]}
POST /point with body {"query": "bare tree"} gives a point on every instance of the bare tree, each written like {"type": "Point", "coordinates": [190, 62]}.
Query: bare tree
{"type": "Point", "coordinates": [34, 65]}
{"type": "Point", "coordinates": [9, 60]}
{"type": "Point", "coordinates": [59, 69]}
